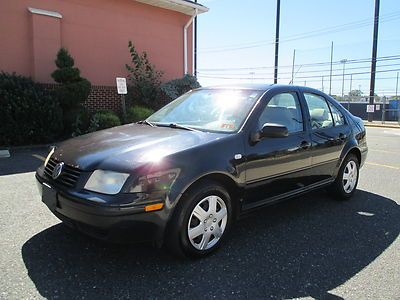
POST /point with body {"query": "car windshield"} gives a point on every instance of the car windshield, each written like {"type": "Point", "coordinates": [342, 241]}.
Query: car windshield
{"type": "Point", "coordinates": [214, 110]}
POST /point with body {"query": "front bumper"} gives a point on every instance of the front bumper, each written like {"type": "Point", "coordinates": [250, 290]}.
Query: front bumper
{"type": "Point", "coordinates": [106, 222]}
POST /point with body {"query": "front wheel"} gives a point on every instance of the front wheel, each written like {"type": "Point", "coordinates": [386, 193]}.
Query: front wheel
{"type": "Point", "coordinates": [347, 179]}
{"type": "Point", "coordinates": [201, 221]}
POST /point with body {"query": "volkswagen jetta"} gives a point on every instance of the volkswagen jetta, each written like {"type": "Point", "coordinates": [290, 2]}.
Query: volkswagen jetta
{"type": "Point", "coordinates": [182, 176]}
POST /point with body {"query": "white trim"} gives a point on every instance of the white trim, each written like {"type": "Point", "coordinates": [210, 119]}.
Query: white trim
{"type": "Point", "coordinates": [200, 8]}
{"type": "Point", "coordinates": [185, 42]}
{"type": "Point", "coordinates": [38, 11]}
{"type": "Point", "coordinates": [182, 6]}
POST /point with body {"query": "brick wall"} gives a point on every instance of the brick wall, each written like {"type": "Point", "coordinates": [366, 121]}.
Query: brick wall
{"type": "Point", "coordinates": [104, 97]}
{"type": "Point", "coordinates": [100, 98]}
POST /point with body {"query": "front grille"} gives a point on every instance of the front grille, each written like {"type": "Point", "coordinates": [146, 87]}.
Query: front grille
{"type": "Point", "coordinates": [69, 175]}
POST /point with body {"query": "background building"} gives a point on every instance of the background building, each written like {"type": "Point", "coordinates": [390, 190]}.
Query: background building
{"type": "Point", "coordinates": [96, 33]}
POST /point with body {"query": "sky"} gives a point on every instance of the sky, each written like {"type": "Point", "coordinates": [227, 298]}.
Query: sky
{"type": "Point", "coordinates": [236, 43]}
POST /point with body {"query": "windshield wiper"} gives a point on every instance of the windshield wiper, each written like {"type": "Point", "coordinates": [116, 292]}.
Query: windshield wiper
{"type": "Point", "coordinates": [174, 125]}
{"type": "Point", "coordinates": [147, 123]}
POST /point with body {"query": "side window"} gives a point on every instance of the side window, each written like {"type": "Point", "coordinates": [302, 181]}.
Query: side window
{"type": "Point", "coordinates": [283, 109]}
{"type": "Point", "coordinates": [337, 115]}
{"type": "Point", "coordinates": [319, 111]}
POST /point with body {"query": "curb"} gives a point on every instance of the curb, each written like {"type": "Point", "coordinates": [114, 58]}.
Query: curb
{"type": "Point", "coordinates": [381, 126]}
{"type": "Point", "coordinates": [4, 154]}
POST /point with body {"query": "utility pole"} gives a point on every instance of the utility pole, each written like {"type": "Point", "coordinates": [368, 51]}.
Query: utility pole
{"type": "Point", "coordinates": [252, 76]}
{"type": "Point", "coordinates": [330, 74]}
{"type": "Point", "coordinates": [294, 57]}
{"type": "Point", "coordinates": [398, 109]}
{"type": "Point", "coordinates": [343, 61]}
{"type": "Point", "coordinates": [322, 83]}
{"type": "Point", "coordinates": [373, 62]}
{"type": "Point", "coordinates": [278, 12]}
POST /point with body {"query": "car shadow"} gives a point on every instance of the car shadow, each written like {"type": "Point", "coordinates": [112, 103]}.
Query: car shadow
{"type": "Point", "coordinates": [304, 247]}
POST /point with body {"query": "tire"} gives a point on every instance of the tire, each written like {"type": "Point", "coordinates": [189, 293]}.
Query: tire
{"type": "Point", "coordinates": [344, 188]}
{"type": "Point", "coordinates": [204, 212]}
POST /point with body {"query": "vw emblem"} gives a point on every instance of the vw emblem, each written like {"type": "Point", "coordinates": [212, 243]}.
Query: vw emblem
{"type": "Point", "coordinates": [57, 170]}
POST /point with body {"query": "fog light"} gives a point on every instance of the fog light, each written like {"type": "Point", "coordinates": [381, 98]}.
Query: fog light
{"type": "Point", "coordinates": [153, 207]}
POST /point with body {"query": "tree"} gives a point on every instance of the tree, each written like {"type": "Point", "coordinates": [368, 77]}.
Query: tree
{"type": "Point", "coordinates": [143, 77]}
{"type": "Point", "coordinates": [72, 91]}
{"type": "Point", "coordinates": [355, 93]}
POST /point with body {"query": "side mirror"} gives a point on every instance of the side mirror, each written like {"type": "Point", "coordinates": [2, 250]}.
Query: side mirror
{"type": "Point", "coordinates": [271, 130]}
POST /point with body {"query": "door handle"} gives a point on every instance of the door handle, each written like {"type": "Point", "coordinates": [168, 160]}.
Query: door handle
{"type": "Point", "coordinates": [342, 136]}
{"type": "Point", "coordinates": [305, 145]}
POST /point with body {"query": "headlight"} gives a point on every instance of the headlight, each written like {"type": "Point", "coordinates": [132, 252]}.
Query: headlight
{"type": "Point", "coordinates": [159, 181]}
{"type": "Point", "coordinates": [49, 155]}
{"type": "Point", "coordinates": [106, 182]}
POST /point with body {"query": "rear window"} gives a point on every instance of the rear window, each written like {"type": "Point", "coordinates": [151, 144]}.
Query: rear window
{"type": "Point", "coordinates": [320, 114]}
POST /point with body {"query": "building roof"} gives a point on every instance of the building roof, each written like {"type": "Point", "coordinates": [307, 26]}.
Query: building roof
{"type": "Point", "coordinates": [184, 6]}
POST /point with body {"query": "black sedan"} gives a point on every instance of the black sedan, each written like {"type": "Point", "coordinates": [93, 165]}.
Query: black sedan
{"type": "Point", "coordinates": [184, 175]}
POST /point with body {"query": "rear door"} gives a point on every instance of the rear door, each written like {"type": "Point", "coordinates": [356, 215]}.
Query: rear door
{"type": "Point", "coordinates": [329, 134]}
{"type": "Point", "coordinates": [276, 166]}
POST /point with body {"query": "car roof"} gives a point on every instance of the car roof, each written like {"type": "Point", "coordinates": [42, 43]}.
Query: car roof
{"type": "Point", "coordinates": [264, 87]}
{"type": "Point", "coordinates": [241, 86]}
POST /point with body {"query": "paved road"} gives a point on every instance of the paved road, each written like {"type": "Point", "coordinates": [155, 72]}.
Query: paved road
{"type": "Point", "coordinates": [311, 246]}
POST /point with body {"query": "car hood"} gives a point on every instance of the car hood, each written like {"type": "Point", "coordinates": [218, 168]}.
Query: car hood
{"type": "Point", "coordinates": [124, 148]}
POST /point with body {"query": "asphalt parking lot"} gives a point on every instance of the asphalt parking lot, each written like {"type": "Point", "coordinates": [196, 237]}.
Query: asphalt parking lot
{"type": "Point", "coordinates": [312, 246]}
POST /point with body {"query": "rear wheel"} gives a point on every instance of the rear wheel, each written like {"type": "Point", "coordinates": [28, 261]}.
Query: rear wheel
{"type": "Point", "coordinates": [346, 182]}
{"type": "Point", "coordinates": [201, 222]}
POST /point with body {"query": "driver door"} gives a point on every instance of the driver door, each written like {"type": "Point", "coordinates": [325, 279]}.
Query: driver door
{"type": "Point", "coordinates": [278, 166]}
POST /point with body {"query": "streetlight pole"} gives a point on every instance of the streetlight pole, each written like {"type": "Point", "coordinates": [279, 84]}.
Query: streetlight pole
{"type": "Point", "coordinates": [343, 61]}
{"type": "Point", "coordinates": [294, 57]}
{"type": "Point", "coordinates": [351, 83]}
{"type": "Point", "coordinates": [278, 12]}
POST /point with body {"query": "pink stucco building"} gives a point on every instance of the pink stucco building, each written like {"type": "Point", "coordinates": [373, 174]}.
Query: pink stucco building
{"type": "Point", "coordinates": [96, 33]}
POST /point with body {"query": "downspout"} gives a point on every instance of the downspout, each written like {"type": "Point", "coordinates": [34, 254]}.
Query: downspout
{"type": "Point", "coordinates": [185, 46]}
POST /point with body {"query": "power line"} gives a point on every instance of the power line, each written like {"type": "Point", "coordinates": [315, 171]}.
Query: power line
{"type": "Point", "coordinates": [350, 61]}
{"type": "Point", "coordinates": [300, 77]}
{"type": "Point", "coordinates": [334, 29]}
{"type": "Point", "coordinates": [312, 71]}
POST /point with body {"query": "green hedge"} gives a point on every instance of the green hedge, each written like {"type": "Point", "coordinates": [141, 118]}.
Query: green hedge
{"type": "Point", "coordinates": [28, 113]}
{"type": "Point", "coordinates": [103, 119]}
{"type": "Point", "coordinates": [137, 113]}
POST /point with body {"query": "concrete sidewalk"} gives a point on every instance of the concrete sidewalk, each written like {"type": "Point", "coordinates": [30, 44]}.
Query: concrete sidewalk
{"type": "Point", "coordinates": [387, 124]}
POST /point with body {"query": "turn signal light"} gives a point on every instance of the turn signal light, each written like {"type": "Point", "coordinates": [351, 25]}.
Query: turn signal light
{"type": "Point", "coordinates": [153, 207]}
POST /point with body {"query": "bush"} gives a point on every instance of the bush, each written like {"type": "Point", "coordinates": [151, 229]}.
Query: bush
{"type": "Point", "coordinates": [174, 88]}
{"type": "Point", "coordinates": [73, 89]}
{"type": "Point", "coordinates": [103, 119]}
{"type": "Point", "coordinates": [82, 122]}
{"type": "Point", "coordinates": [143, 79]}
{"type": "Point", "coordinates": [28, 113]}
{"type": "Point", "coordinates": [137, 113]}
